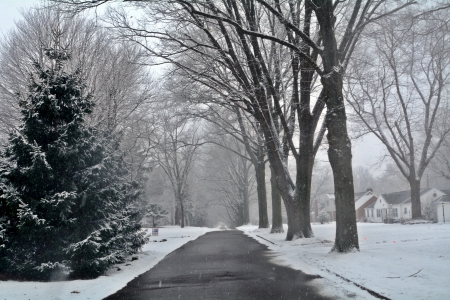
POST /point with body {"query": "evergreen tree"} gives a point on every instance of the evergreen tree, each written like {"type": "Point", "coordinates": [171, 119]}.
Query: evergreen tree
{"type": "Point", "coordinates": [65, 203]}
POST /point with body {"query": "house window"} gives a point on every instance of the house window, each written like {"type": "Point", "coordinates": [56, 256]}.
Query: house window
{"type": "Point", "coordinates": [405, 210]}
{"type": "Point", "coordinates": [372, 212]}
{"type": "Point", "coordinates": [394, 213]}
{"type": "Point", "coordinates": [378, 213]}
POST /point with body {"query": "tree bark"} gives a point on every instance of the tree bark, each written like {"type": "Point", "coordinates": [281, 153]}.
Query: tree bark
{"type": "Point", "coordinates": [416, 207]}
{"type": "Point", "coordinates": [340, 156]}
{"type": "Point", "coordinates": [277, 219]}
{"type": "Point", "coordinates": [303, 188]}
{"type": "Point", "coordinates": [295, 221]}
{"type": "Point", "coordinates": [262, 193]}
{"type": "Point", "coordinates": [181, 214]}
{"type": "Point", "coordinates": [246, 201]}
{"type": "Point", "coordinates": [177, 212]}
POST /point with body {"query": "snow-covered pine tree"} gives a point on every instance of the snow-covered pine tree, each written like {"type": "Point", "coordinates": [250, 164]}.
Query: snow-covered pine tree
{"type": "Point", "coordinates": [66, 205]}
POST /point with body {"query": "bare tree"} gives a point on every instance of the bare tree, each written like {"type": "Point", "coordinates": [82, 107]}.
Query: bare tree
{"type": "Point", "coordinates": [364, 179]}
{"type": "Point", "coordinates": [122, 86]}
{"type": "Point", "coordinates": [231, 125]}
{"type": "Point", "coordinates": [441, 163]}
{"type": "Point", "coordinates": [233, 35]}
{"type": "Point", "coordinates": [174, 143]}
{"type": "Point", "coordinates": [232, 182]}
{"type": "Point", "coordinates": [399, 90]}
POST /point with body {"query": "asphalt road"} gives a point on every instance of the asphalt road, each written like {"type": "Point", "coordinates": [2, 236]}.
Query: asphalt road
{"type": "Point", "coordinates": [219, 265]}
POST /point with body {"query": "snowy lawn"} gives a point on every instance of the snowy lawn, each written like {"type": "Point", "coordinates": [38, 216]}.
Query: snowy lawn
{"type": "Point", "coordinates": [395, 261]}
{"type": "Point", "coordinates": [114, 279]}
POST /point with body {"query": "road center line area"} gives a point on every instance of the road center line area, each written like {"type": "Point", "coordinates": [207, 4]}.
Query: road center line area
{"type": "Point", "coordinates": [220, 265]}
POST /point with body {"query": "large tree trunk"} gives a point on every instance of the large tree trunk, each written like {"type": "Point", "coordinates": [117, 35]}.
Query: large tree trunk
{"type": "Point", "coordinates": [295, 218]}
{"type": "Point", "coordinates": [340, 156]}
{"type": "Point", "coordinates": [339, 149]}
{"type": "Point", "coordinates": [303, 189]}
{"type": "Point", "coordinates": [277, 219]}
{"type": "Point", "coordinates": [295, 221]}
{"type": "Point", "coordinates": [305, 159]}
{"type": "Point", "coordinates": [177, 212]}
{"type": "Point", "coordinates": [416, 207]}
{"type": "Point", "coordinates": [262, 193]}
{"type": "Point", "coordinates": [182, 214]}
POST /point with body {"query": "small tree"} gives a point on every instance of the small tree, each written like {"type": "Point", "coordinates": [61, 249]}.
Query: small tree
{"type": "Point", "coordinates": [64, 197]}
{"type": "Point", "coordinates": [156, 212]}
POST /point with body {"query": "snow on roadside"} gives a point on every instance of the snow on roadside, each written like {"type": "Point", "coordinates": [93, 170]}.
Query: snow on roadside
{"type": "Point", "coordinates": [396, 261]}
{"type": "Point", "coordinates": [114, 279]}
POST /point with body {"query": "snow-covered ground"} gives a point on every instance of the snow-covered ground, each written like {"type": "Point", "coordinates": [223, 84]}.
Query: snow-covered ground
{"type": "Point", "coordinates": [114, 280]}
{"type": "Point", "coordinates": [396, 261]}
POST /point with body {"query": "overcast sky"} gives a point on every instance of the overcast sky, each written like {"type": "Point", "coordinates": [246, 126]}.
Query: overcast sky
{"type": "Point", "coordinates": [10, 12]}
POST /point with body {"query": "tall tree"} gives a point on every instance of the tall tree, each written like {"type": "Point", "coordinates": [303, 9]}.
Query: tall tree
{"type": "Point", "coordinates": [406, 106]}
{"type": "Point", "coordinates": [66, 201]}
{"type": "Point", "coordinates": [174, 144]}
{"type": "Point", "coordinates": [232, 181]}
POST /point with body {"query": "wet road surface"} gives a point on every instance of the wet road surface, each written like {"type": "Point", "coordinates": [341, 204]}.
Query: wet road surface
{"type": "Point", "coordinates": [220, 265]}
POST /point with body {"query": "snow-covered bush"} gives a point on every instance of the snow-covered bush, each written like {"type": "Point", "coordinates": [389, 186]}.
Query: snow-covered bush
{"type": "Point", "coordinates": [64, 193]}
{"type": "Point", "coordinates": [323, 217]}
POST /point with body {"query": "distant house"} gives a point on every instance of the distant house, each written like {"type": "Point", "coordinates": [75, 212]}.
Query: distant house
{"type": "Point", "coordinates": [362, 200]}
{"type": "Point", "coordinates": [316, 208]}
{"type": "Point", "coordinates": [395, 207]}
{"type": "Point", "coordinates": [329, 206]}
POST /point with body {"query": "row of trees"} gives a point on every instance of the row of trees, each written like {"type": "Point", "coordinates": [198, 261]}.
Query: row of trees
{"type": "Point", "coordinates": [279, 64]}
{"type": "Point", "coordinates": [257, 81]}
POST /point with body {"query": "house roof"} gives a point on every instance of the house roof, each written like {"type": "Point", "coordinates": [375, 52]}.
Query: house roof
{"type": "Point", "coordinates": [357, 195]}
{"type": "Point", "coordinates": [446, 192]}
{"type": "Point", "coordinates": [401, 197]}
{"type": "Point", "coordinates": [330, 195]}
{"type": "Point", "coordinates": [443, 199]}
{"type": "Point", "coordinates": [363, 200]}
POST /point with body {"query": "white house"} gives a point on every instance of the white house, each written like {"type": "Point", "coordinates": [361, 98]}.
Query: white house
{"type": "Point", "coordinates": [362, 200]}
{"type": "Point", "coordinates": [330, 205]}
{"type": "Point", "coordinates": [394, 207]}
{"type": "Point", "coordinates": [442, 209]}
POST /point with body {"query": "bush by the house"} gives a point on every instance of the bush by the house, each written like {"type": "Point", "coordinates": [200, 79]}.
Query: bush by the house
{"type": "Point", "coordinates": [324, 217]}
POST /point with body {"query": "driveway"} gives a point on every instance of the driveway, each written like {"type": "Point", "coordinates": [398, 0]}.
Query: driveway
{"type": "Point", "coordinates": [220, 265]}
